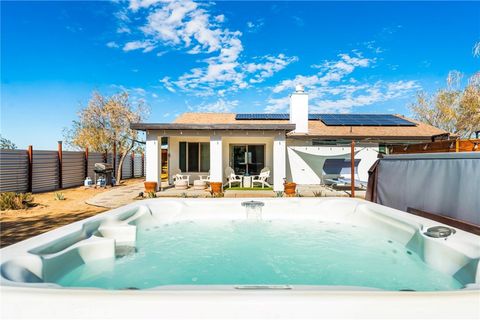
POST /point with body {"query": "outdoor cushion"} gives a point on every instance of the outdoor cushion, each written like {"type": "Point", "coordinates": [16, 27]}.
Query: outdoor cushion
{"type": "Point", "coordinates": [181, 184]}
{"type": "Point", "coordinates": [199, 184]}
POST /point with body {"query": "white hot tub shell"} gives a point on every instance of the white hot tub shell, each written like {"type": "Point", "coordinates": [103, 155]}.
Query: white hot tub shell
{"type": "Point", "coordinates": [28, 267]}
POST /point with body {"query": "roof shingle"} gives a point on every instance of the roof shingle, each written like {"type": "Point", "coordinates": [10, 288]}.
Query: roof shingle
{"type": "Point", "coordinates": [317, 128]}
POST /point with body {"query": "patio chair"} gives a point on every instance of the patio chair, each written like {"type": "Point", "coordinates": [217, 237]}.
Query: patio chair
{"type": "Point", "coordinates": [232, 177]}
{"type": "Point", "coordinates": [205, 178]}
{"type": "Point", "coordinates": [262, 178]}
{"type": "Point", "coordinates": [178, 176]}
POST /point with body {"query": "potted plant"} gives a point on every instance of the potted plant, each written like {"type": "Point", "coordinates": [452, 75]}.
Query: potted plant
{"type": "Point", "coordinates": [216, 187]}
{"type": "Point", "coordinates": [150, 186]}
{"type": "Point", "coordinates": [289, 188]}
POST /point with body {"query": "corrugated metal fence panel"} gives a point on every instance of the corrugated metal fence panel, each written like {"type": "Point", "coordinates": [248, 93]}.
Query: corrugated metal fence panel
{"type": "Point", "coordinates": [127, 167]}
{"type": "Point", "coordinates": [110, 160]}
{"type": "Point", "coordinates": [137, 168]}
{"type": "Point", "coordinates": [45, 171]}
{"type": "Point", "coordinates": [13, 170]}
{"type": "Point", "coordinates": [94, 157]}
{"type": "Point", "coordinates": [73, 172]}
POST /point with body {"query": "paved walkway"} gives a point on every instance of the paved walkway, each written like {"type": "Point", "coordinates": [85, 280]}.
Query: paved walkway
{"type": "Point", "coordinates": [117, 196]}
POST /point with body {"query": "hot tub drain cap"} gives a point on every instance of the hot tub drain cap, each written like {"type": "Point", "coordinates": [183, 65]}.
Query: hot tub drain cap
{"type": "Point", "coordinates": [439, 232]}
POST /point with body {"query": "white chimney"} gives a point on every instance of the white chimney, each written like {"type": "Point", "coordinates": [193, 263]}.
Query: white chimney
{"type": "Point", "coordinates": [299, 109]}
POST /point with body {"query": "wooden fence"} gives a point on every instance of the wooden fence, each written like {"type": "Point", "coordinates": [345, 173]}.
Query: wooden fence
{"type": "Point", "coordinates": [437, 146]}
{"type": "Point", "coordinates": [39, 170]}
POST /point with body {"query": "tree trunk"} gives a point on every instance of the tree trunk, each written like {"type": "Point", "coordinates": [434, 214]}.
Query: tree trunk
{"type": "Point", "coordinates": [120, 164]}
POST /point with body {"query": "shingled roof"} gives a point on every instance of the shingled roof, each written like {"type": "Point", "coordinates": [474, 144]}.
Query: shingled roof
{"type": "Point", "coordinates": [317, 128]}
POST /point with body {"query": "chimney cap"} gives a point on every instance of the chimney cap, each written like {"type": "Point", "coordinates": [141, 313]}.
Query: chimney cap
{"type": "Point", "coordinates": [299, 88]}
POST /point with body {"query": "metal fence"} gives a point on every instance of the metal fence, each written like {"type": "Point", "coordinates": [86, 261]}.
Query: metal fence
{"type": "Point", "coordinates": [52, 170]}
{"type": "Point", "coordinates": [45, 173]}
{"type": "Point", "coordinates": [73, 168]}
{"type": "Point", "coordinates": [13, 170]}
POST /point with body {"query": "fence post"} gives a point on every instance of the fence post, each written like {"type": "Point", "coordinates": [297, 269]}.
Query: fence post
{"type": "Point", "coordinates": [86, 162]}
{"type": "Point", "coordinates": [143, 164]}
{"type": "Point", "coordinates": [352, 169]}
{"type": "Point", "coordinates": [114, 161]}
{"type": "Point", "coordinates": [60, 165]}
{"type": "Point", "coordinates": [30, 168]}
{"type": "Point", "coordinates": [133, 164]}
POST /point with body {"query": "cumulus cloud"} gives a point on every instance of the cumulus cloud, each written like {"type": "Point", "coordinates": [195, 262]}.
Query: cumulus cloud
{"type": "Point", "coordinates": [189, 26]}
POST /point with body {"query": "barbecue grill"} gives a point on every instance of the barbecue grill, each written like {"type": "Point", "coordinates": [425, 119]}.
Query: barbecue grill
{"type": "Point", "coordinates": [104, 172]}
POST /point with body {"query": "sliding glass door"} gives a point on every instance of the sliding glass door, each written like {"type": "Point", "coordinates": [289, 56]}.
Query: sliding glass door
{"type": "Point", "coordinates": [247, 159]}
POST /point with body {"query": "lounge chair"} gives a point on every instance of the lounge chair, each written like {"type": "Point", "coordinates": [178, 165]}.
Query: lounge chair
{"type": "Point", "coordinates": [232, 177]}
{"type": "Point", "coordinates": [346, 182]}
{"type": "Point", "coordinates": [262, 178]}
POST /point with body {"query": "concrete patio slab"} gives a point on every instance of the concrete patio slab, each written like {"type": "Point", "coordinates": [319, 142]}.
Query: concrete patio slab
{"type": "Point", "coordinates": [117, 196]}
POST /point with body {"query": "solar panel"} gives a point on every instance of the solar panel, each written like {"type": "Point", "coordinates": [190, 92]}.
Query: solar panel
{"type": "Point", "coordinates": [261, 116]}
{"type": "Point", "coordinates": [364, 120]}
{"type": "Point", "coordinates": [335, 119]}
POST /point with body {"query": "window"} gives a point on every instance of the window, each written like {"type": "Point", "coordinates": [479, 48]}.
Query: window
{"type": "Point", "coordinates": [247, 159]}
{"type": "Point", "coordinates": [194, 156]}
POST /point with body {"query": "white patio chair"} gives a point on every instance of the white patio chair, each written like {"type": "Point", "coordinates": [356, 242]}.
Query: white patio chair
{"type": "Point", "coordinates": [262, 178]}
{"type": "Point", "coordinates": [232, 177]}
{"type": "Point", "coordinates": [205, 178]}
{"type": "Point", "coordinates": [178, 176]}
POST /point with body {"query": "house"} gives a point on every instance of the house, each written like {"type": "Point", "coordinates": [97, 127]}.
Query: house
{"type": "Point", "coordinates": [300, 146]}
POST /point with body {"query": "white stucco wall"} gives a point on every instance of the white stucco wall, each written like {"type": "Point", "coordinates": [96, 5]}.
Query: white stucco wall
{"type": "Point", "coordinates": [174, 155]}
{"type": "Point", "coordinates": [227, 139]}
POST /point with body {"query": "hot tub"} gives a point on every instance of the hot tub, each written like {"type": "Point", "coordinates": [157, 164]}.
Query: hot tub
{"type": "Point", "coordinates": [240, 257]}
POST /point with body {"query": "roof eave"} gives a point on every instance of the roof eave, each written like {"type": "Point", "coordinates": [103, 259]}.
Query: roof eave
{"type": "Point", "coordinates": [214, 126]}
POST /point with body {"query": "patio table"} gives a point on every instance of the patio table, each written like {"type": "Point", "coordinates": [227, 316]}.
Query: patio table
{"type": "Point", "coordinates": [247, 181]}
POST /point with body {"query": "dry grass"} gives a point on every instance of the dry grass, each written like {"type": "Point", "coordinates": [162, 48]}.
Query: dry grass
{"type": "Point", "coordinates": [48, 214]}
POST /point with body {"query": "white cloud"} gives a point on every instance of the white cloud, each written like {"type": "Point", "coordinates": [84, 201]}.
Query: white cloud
{"type": "Point", "coordinates": [220, 18]}
{"type": "Point", "coordinates": [255, 26]}
{"type": "Point", "coordinates": [220, 105]}
{"type": "Point", "coordinates": [168, 84]}
{"type": "Point", "coordinates": [189, 26]}
{"type": "Point", "coordinates": [135, 45]}
{"type": "Point", "coordinates": [334, 89]}
{"type": "Point", "coordinates": [112, 44]}
{"type": "Point", "coordinates": [268, 67]}
{"type": "Point", "coordinates": [138, 4]}
{"type": "Point", "coordinates": [330, 71]}
{"type": "Point", "coordinates": [123, 30]}
{"type": "Point", "coordinates": [275, 105]}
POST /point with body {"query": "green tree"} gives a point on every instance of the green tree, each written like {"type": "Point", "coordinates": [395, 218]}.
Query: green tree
{"type": "Point", "coordinates": [105, 121]}
{"type": "Point", "coordinates": [6, 144]}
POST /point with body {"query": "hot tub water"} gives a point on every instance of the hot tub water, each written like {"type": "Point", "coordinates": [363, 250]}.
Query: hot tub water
{"type": "Point", "coordinates": [261, 252]}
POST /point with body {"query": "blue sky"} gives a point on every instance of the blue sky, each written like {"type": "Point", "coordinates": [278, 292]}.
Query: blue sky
{"type": "Point", "coordinates": [360, 57]}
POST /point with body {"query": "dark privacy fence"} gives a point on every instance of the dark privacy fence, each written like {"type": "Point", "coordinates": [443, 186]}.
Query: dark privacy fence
{"type": "Point", "coordinates": [38, 171]}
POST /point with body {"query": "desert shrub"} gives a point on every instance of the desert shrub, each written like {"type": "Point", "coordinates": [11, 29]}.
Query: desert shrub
{"type": "Point", "coordinates": [218, 195]}
{"type": "Point", "coordinates": [15, 201]}
{"type": "Point", "coordinates": [318, 193]}
{"type": "Point", "coordinates": [59, 196]}
{"type": "Point", "coordinates": [183, 195]}
{"type": "Point", "coordinates": [298, 194]}
{"type": "Point", "coordinates": [151, 194]}
{"type": "Point", "coordinates": [279, 194]}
